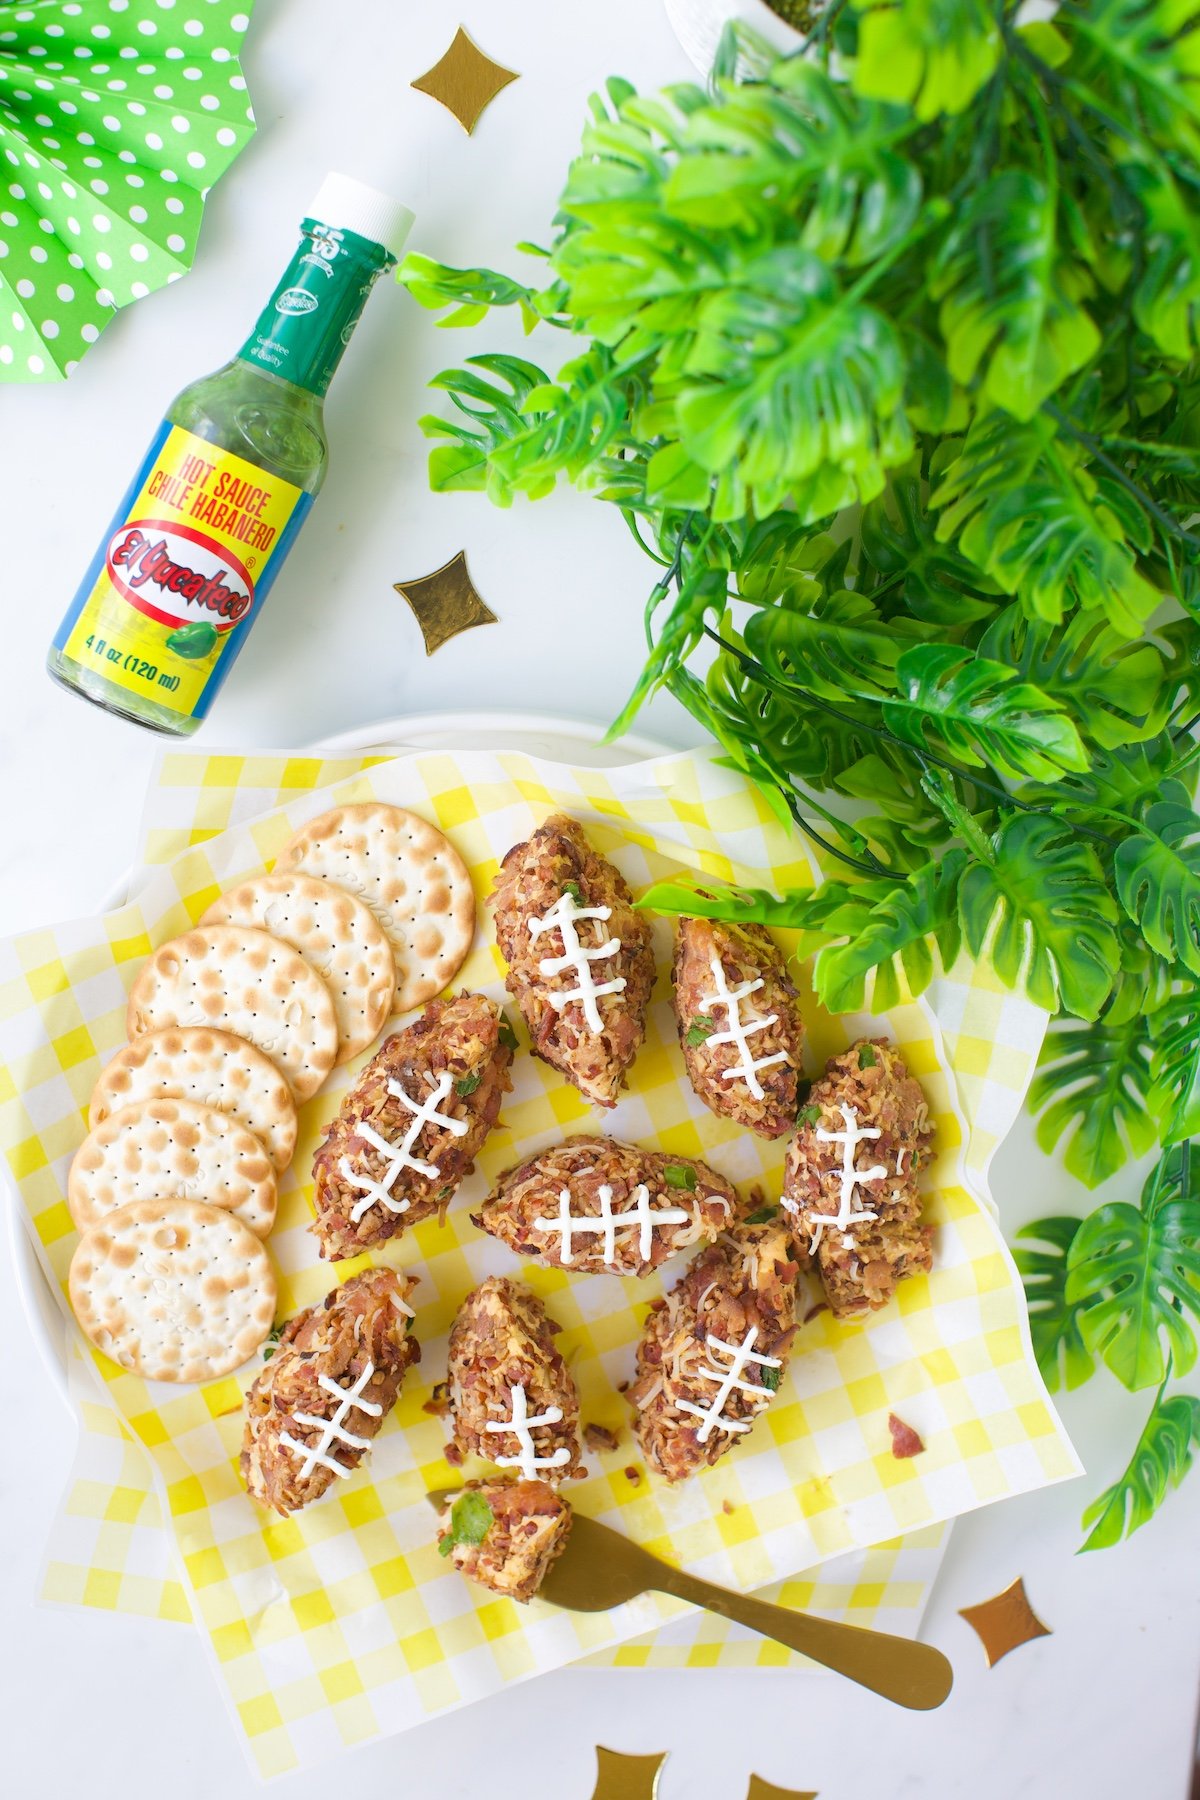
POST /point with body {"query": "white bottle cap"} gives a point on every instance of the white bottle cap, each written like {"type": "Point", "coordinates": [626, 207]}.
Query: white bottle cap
{"type": "Point", "coordinates": [353, 206]}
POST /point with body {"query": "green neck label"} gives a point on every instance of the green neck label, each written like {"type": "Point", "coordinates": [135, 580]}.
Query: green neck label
{"type": "Point", "coordinates": [311, 316]}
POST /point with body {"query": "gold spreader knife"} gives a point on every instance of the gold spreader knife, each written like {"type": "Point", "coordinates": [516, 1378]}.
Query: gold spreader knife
{"type": "Point", "coordinates": [600, 1569]}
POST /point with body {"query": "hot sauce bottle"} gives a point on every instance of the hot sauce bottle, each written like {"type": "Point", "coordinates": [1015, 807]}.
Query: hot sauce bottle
{"type": "Point", "coordinates": [224, 488]}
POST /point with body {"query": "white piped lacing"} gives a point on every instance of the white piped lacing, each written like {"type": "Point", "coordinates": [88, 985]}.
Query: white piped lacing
{"type": "Point", "coordinates": [608, 1223]}
{"type": "Point", "coordinates": [740, 1030]}
{"type": "Point", "coordinates": [399, 1156]}
{"type": "Point", "coordinates": [564, 916]}
{"type": "Point", "coordinates": [850, 1176]}
{"type": "Point", "coordinates": [522, 1427]}
{"type": "Point", "coordinates": [728, 1379]}
{"type": "Point", "coordinates": [333, 1431]}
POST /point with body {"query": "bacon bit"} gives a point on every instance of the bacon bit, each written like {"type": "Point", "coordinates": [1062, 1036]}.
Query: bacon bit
{"type": "Point", "coordinates": [454, 1456]}
{"type": "Point", "coordinates": [820, 1307]}
{"type": "Point", "coordinates": [633, 1476]}
{"type": "Point", "coordinates": [727, 1506]}
{"type": "Point", "coordinates": [905, 1441]}
{"type": "Point", "coordinates": [439, 1402]}
{"type": "Point", "coordinates": [599, 1437]}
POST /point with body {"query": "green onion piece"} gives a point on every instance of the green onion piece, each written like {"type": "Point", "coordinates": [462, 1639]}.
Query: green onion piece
{"type": "Point", "coordinates": [466, 1084]}
{"type": "Point", "coordinates": [677, 1176]}
{"type": "Point", "coordinates": [808, 1115]}
{"type": "Point", "coordinates": [867, 1057]}
{"type": "Point", "coordinates": [699, 1031]}
{"type": "Point", "coordinates": [763, 1216]}
{"type": "Point", "coordinates": [470, 1521]}
{"type": "Point", "coordinates": [506, 1034]}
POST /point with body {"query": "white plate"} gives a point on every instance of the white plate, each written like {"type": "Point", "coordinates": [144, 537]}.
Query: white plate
{"type": "Point", "coordinates": [698, 25]}
{"type": "Point", "coordinates": [577, 741]}
{"type": "Point", "coordinates": [574, 741]}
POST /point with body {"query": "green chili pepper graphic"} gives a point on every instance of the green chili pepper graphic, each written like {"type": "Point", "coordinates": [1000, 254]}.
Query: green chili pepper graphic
{"type": "Point", "coordinates": [193, 641]}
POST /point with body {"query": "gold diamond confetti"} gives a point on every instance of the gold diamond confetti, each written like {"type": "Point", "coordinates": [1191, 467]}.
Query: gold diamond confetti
{"type": "Point", "coordinates": [762, 1790]}
{"type": "Point", "coordinates": [465, 81]}
{"type": "Point", "coordinates": [627, 1777]}
{"type": "Point", "coordinates": [446, 603]}
{"type": "Point", "coordinates": [1004, 1622]}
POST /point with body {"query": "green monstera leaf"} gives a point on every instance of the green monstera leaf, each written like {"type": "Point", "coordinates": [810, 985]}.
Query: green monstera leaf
{"type": "Point", "coordinates": [1143, 56]}
{"type": "Point", "coordinates": [1042, 907]}
{"type": "Point", "coordinates": [843, 649]}
{"type": "Point", "coordinates": [491, 392]}
{"type": "Point", "coordinates": [1157, 870]}
{"type": "Point", "coordinates": [525, 430]}
{"type": "Point", "coordinates": [473, 292]}
{"type": "Point", "coordinates": [1053, 1322]}
{"type": "Point", "coordinates": [933, 54]}
{"type": "Point", "coordinates": [1043, 527]}
{"type": "Point", "coordinates": [1007, 295]}
{"type": "Point", "coordinates": [1129, 779]}
{"type": "Point", "coordinates": [918, 573]}
{"type": "Point", "coordinates": [1167, 302]}
{"type": "Point", "coordinates": [981, 713]}
{"type": "Point", "coordinates": [804, 911]}
{"type": "Point", "coordinates": [798, 385]}
{"type": "Point", "coordinates": [812, 139]}
{"type": "Point", "coordinates": [1175, 1064]}
{"type": "Point", "coordinates": [1162, 1457]}
{"type": "Point", "coordinates": [1093, 1087]}
{"type": "Point", "coordinates": [1114, 688]}
{"type": "Point", "coordinates": [1135, 1275]}
{"type": "Point", "coordinates": [896, 933]}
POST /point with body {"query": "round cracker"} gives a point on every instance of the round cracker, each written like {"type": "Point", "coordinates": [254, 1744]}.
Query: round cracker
{"type": "Point", "coordinates": [411, 877]}
{"type": "Point", "coordinates": [173, 1290]}
{"type": "Point", "coordinates": [211, 1067]}
{"type": "Point", "coordinates": [247, 983]}
{"type": "Point", "coordinates": [333, 931]}
{"type": "Point", "coordinates": [172, 1150]}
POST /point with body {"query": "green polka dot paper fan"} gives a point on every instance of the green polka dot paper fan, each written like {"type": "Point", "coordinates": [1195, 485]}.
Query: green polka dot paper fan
{"type": "Point", "coordinates": [116, 117]}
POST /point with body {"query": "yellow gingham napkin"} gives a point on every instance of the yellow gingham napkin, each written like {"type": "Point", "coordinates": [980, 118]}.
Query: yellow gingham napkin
{"type": "Point", "coordinates": [108, 1547]}
{"type": "Point", "coordinates": [342, 1623]}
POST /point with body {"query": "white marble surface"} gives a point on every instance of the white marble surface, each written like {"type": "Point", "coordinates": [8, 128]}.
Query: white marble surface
{"type": "Point", "coordinates": [119, 1708]}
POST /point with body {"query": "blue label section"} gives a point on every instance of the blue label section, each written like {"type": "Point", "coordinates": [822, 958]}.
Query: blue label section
{"type": "Point", "coordinates": [96, 567]}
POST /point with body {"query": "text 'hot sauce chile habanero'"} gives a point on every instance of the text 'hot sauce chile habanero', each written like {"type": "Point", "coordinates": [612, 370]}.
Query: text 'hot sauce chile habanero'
{"type": "Point", "coordinates": [224, 488]}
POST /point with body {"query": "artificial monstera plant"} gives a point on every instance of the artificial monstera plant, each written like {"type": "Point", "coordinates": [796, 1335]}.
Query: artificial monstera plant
{"type": "Point", "coordinates": [886, 351]}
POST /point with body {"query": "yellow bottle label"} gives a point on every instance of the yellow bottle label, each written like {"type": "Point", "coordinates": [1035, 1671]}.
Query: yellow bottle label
{"type": "Point", "coordinates": [170, 595]}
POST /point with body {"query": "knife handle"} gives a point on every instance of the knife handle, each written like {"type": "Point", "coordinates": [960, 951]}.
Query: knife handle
{"type": "Point", "coordinates": [912, 1674]}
